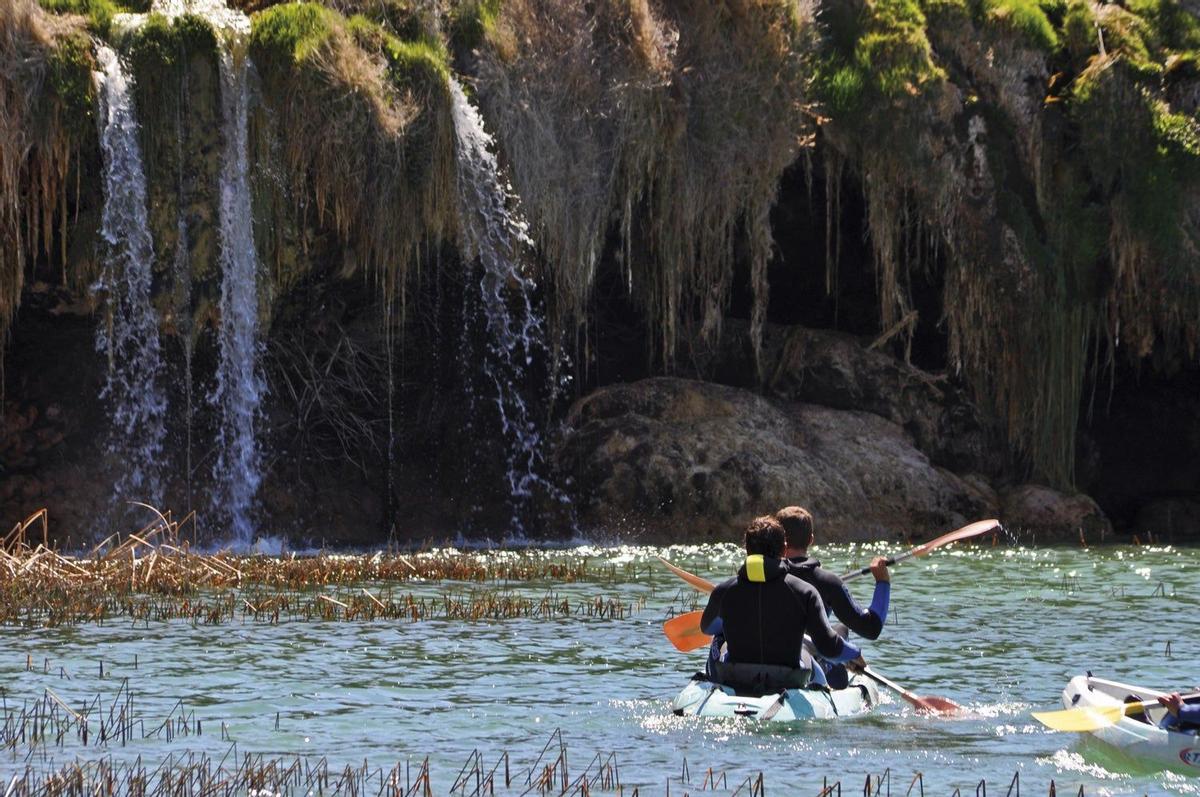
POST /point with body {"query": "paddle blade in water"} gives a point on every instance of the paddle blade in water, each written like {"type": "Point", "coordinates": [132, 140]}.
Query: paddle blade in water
{"type": "Point", "coordinates": [684, 632]}
{"type": "Point", "coordinates": [1085, 718]}
{"type": "Point", "coordinates": [936, 705]}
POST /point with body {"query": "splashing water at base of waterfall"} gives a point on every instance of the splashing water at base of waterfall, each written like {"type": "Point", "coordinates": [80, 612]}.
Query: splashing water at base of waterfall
{"type": "Point", "coordinates": [494, 235]}
{"type": "Point", "coordinates": [240, 386]}
{"type": "Point", "coordinates": [129, 337]}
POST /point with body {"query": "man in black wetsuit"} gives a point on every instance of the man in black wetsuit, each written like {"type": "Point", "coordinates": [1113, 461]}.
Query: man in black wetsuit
{"type": "Point", "coordinates": [764, 613]}
{"type": "Point", "coordinates": [797, 524]}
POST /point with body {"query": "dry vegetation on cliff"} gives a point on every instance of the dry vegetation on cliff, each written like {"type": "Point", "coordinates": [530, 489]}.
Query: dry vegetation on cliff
{"type": "Point", "coordinates": [1038, 160]}
{"type": "Point", "coordinates": [45, 120]}
{"type": "Point", "coordinates": [359, 121]}
{"type": "Point", "coordinates": [670, 121]}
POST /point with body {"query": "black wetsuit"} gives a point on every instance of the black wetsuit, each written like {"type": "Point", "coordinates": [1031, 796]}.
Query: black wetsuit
{"type": "Point", "coordinates": [764, 618]}
{"type": "Point", "coordinates": [867, 623]}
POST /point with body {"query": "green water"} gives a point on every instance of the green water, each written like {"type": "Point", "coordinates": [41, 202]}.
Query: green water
{"type": "Point", "coordinates": [997, 629]}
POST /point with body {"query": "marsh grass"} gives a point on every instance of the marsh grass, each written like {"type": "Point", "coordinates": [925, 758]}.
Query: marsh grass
{"type": "Point", "coordinates": [154, 575]}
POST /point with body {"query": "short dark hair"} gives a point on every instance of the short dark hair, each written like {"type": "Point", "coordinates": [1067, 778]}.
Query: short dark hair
{"type": "Point", "coordinates": [797, 525]}
{"type": "Point", "coordinates": [765, 536]}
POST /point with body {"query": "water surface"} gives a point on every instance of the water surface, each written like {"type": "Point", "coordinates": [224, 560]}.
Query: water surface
{"type": "Point", "coordinates": [997, 629]}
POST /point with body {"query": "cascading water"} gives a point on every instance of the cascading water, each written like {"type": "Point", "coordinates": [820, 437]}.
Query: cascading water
{"type": "Point", "coordinates": [494, 236]}
{"type": "Point", "coordinates": [133, 385]}
{"type": "Point", "coordinates": [240, 386]}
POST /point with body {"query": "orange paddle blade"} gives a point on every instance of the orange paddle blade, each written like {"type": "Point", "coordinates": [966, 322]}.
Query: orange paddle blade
{"type": "Point", "coordinates": [684, 632]}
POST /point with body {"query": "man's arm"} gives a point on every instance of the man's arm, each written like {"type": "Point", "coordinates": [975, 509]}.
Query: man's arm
{"type": "Point", "coordinates": [710, 621]}
{"type": "Point", "coordinates": [827, 641]}
{"type": "Point", "coordinates": [867, 623]}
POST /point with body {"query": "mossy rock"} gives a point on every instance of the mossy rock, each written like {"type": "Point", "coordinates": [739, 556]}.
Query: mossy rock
{"type": "Point", "coordinates": [471, 22]}
{"type": "Point", "coordinates": [1026, 18]}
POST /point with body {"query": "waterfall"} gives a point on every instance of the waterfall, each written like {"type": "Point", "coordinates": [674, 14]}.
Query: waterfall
{"type": "Point", "coordinates": [494, 236]}
{"type": "Point", "coordinates": [240, 386]}
{"type": "Point", "coordinates": [133, 386]}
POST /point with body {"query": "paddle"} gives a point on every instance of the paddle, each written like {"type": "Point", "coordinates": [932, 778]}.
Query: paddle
{"type": "Point", "coordinates": [1093, 718]}
{"type": "Point", "coordinates": [930, 704]}
{"type": "Point", "coordinates": [684, 632]}
{"type": "Point", "coordinates": [966, 532]}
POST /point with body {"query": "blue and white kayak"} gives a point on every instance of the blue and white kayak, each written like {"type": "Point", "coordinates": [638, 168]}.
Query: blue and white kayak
{"type": "Point", "coordinates": [704, 698]}
{"type": "Point", "coordinates": [1143, 742]}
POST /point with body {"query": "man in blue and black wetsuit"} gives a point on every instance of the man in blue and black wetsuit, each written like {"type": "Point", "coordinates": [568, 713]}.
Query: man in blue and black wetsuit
{"type": "Point", "coordinates": [764, 613]}
{"type": "Point", "coordinates": [797, 524]}
{"type": "Point", "coordinates": [1180, 716]}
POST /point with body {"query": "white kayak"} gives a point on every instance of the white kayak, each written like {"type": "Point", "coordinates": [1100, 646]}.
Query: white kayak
{"type": "Point", "coordinates": [1143, 742]}
{"type": "Point", "coordinates": [704, 698]}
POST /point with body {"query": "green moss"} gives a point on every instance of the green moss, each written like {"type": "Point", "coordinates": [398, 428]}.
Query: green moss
{"type": "Point", "coordinates": [69, 69]}
{"type": "Point", "coordinates": [163, 43]}
{"type": "Point", "coordinates": [875, 55]}
{"type": "Point", "coordinates": [1171, 26]}
{"type": "Point", "coordinates": [1078, 30]}
{"type": "Point", "coordinates": [422, 63]}
{"type": "Point", "coordinates": [291, 31]}
{"type": "Point", "coordinates": [472, 21]}
{"type": "Point", "coordinates": [99, 12]}
{"type": "Point", "coordinates": [1025, 17]}
{"type": "Point", "coordinates": [1140, 152]}
{"type": "Point", "coordinates": [1129, 35]}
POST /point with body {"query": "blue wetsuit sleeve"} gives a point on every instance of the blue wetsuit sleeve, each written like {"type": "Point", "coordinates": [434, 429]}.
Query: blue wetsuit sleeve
{"type": "Point", "coordinates": [1189, 714]}
{"type": "Point", "coordinates": [879, 601]}
{"type": "Point", "coordinates": [715, 628]}
{"type": "Point", "coordinates": [849, 653]}
{"type": "Point", "coordinates": [867, 623]}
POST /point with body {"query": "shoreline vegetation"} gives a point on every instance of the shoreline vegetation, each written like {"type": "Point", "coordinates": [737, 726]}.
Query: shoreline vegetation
{"type": "Point", "coordinates": [996, 204]}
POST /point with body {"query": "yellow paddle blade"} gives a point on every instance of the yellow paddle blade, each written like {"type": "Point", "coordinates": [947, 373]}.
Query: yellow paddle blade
{"type": "Point", "coordinates": [1085, 718]}
{"type": "Point", "coordinates": [684, 632]}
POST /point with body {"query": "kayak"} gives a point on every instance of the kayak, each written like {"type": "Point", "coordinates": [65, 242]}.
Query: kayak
{"type": "Point", "coordinates": [1143, 742]}
{"type": "Point", "coordinates": [701, 697]}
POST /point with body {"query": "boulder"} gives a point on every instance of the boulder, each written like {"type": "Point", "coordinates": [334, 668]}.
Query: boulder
{"type": "Point", "coordinates": [694, 460]}
{"type": "Point", "coordinates": [1174, 519]}
{"type": "Point", "coordinates": [837, 370]}
{"type": "Point", "coordinates": [1047, 515]}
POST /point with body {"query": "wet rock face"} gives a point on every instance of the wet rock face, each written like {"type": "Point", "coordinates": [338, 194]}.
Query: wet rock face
{"type": "Point", "coordinates": [1171, 519]}
{"type": "Point", "coordinates": [1039, 514]}
{"type": "Point", "coordinates": [837, 370]}
{"type": "Point", "coordinates": [689, 460]}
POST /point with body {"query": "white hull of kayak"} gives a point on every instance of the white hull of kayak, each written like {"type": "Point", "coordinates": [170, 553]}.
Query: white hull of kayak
{"type": "Point", "coordinates": [706, 699]}
{"type": "Point", "coordinates": [1143, 742]}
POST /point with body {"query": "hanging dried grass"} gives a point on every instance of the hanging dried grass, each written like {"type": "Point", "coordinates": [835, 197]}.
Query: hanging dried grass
{"type": "Point", "coordinates": [44, 77]}
{"type": "Point", "coordinates": [670, 123]}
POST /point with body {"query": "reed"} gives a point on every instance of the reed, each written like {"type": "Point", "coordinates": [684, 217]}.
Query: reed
{"type": "Point", "coordinates": [154, 574]}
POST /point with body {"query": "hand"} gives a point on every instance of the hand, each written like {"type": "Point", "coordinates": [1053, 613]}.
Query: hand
{"type": "Point", "coordinates": [856, 665]}
{"type": "Point", "coordinates": [879, 568]}
{"type": "Point", "coordinates": [1173, 702]}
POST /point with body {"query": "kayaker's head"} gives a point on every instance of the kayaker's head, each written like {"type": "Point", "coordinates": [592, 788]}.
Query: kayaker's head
{"type": "Point", "coordinates": [797, 525]}
{"type": "Point", "coordinates": [764, 536]}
